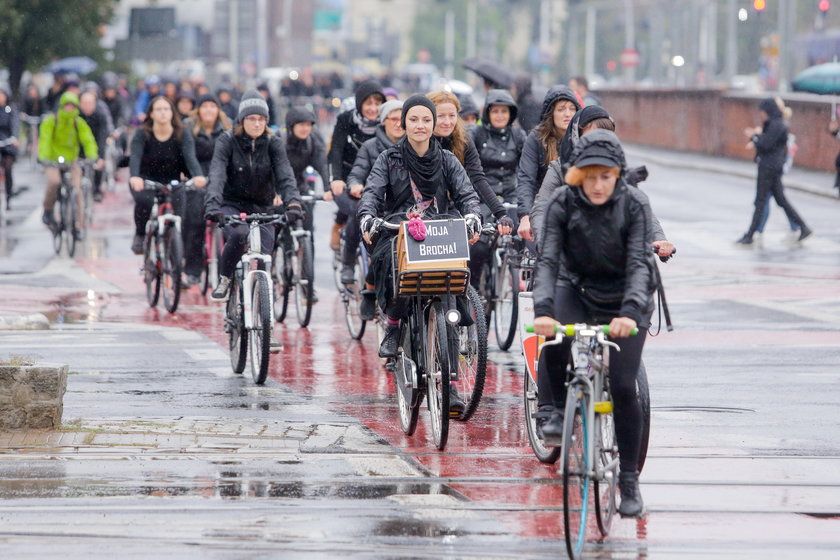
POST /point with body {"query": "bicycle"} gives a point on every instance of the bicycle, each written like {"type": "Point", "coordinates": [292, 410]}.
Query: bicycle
{"type": "Point", "coordinates": [472, 356]}
{"type": "Point", "coordinates": [294, 269]}
{"type": "Point", "coordinates": [33, 123]}
{"type": "Point", "coordinates": [163, 247]}
{"type": "Point", "coordinates": [4, 198]}
{"type": "Point", "coordinates": [112, 156]}
{"type": "Point", "coordinates": [427, 352]}
{"type": "Point", "coordinates": [248, 311]}
{"type": "Point", "coordinates": [589, 456]}
{"type": "Point", "coordinates": [351, 294]}
{"type": "Point", "coordinates": [66, 231]}
{"type": "Point", "coordinates": [87, 191]}
{"type": "Point", "coordinates": [213, 245]}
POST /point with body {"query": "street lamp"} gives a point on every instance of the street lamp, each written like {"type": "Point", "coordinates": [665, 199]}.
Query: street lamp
{"type": "Point", "coordinates": [743, 14]}
{"type": "Point", "coordinates": [678, 61]}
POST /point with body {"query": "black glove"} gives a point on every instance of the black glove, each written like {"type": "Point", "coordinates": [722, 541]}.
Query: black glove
{"type": "Point", "coordinates": [294, 213]}
{"type": "Point", "coordinates": [504, 221]}
{"type": "Point", "coordinates": [214, 216]}
{"type": "Point", "coordinates": [473, 224]}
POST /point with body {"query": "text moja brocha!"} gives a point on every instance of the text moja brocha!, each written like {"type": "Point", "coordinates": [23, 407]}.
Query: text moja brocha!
{"type": "Point", "coordinates": [445, 240]}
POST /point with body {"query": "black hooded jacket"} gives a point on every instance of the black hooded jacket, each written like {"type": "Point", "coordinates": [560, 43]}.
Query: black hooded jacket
{"type": "Point", "coordinates": [499, 148]}
{"type": "Point", "coordinates": [247, 172]}
{"type": "Point", "coordinates": [347, 138]}
{"type": "Point", "coordinates": [367, 157]}
{"type": "Point", "coordinates": [529, 107]}
{"type": "Point", "coordinates": [771, 144]}
{"type": "Point", "coordinates": [205, 144]}
{"type": "Point", "coordinates": [532, 164]}
{"type": "Point", "coordinates": [303, 153]}
{"type": "Point", "coordinates": [472, 164]}
{"type": "Point", "coordinates": [388, 187]}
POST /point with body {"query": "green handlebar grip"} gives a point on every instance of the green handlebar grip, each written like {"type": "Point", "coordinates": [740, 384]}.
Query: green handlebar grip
{"type": "Point", "coordinates": [570, 329]}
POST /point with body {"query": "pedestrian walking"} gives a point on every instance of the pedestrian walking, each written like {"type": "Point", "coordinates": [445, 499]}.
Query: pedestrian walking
{"type": "Point", "coordinates": [529, 108]}
{"type": "Point", "coordinates": [834, 130]}
{"type": "Point", "coordinates": [770, 144]}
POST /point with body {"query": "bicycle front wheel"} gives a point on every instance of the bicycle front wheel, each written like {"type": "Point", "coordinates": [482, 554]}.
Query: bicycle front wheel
{"type": "Point", "coordinates": [437, 374]}
{"type": "Point", "coordinates": [472, 356]}
{"type": "Point", "coordinates": [543, 453]}
{"type": "Point", "coordinates": [235, 326]}
{"type": "Point", "coordinates": [305, 281]}
{"type": "Point", "coordinates": [575, 465]}
{"type": "Point", "coordinates": [506, 306]}
{"type": "Point", "coordinates": [352, 296]}
{"type": "Point", "coordinates": [69, 213]}
{"type": "Point", "coordinates": [606, 457]}
{"type": "Point", "coordinates": [643, 390]}
{"type": "Point", "coordinates": [408, 399]}
{"type": "Point", "coordinates": [259, 332]}
{"type": "Point", "coordinates": [171, 268]}
{"type": "Point", "coordinates": [151, 270]}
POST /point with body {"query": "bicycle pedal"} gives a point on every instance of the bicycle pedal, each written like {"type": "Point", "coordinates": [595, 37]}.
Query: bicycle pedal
{"type": "Point", "coordinates": [275, 348]}
{"type": "Point", "coordinates": [552, 441]}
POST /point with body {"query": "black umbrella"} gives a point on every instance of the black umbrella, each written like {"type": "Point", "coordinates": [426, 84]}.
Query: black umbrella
{"type": "Point", "coordinates": [490, 71]}
{"type": "Point", "coordinates": [80, 65]}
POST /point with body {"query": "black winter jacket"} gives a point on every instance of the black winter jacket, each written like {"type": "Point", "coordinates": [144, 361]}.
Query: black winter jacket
{"type": "Point", "coordinates": [9, 122]}
{"type": "Point", "coordinates": [247, 173]}
{"type": "Point", "coordinates": [367, 155]}
{"type": "Point", "coordinates": [303, 153]}
{"type": "Point", "coordinates": [388, 187]}
{"type": "Point", "coordinates": [346, 141]}
{"type": "Point", "coordinates": [472, 165]}
{"type": "Point", "coordinates": [499, 148]}
{"type": "Point", "coordinates": [771, 144]}
{"type": "Point", "coordinates": [205, 144]}
{"type": "Point", "coordinates": [99, 126]}
{"type": "Point", "coordinates": [191, 166]}
{"type": "Point", "coordinates": [603, 252]}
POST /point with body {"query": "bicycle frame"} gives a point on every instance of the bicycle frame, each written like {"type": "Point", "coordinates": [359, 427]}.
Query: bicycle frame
{"type": "Point", "coordinates": [250, 269]}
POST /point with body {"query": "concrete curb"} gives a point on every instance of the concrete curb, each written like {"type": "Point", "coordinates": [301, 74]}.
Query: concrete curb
{"type": "Point", "coordinates": [665, 161]}
{"type": "Point", "coordinates": [33, 322]}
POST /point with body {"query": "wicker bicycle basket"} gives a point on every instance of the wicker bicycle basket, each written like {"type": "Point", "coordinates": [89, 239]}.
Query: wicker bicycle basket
{"type": "Point", "coordinates": [447, 277]}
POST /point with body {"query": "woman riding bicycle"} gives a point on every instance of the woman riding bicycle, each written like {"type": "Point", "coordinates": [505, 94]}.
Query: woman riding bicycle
{"type": "Point", "coordinates": [161, 151]}
{"type": "Point", "coordinates": [595, 266]}
{"type": "Point", "coordinates": [206, 123]}
{"type": "Point", "coordinates": [250, 173]}
{"type": "Point", "coordinates": [414, 175]}
{"type": "Point", "coordinates": [9, 126]}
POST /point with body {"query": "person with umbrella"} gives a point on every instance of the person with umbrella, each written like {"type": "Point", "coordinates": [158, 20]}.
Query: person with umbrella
{"type": "Point", "coordinates": [770, 143]}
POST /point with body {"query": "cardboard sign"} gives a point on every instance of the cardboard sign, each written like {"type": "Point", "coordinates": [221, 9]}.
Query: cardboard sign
{"type": "Point", "coordinates": [446, 240]}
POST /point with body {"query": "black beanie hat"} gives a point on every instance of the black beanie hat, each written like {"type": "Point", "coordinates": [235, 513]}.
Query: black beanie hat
{"type": "Point", "coordinates": [418, 99]}
{"type": "Point", "coordinates": [599, 147]}
{"type": "Point", "coordinates": [298, 115]}
{"type": "Point", "coordinates": [207, 97]}
{"type": "Point", "coordinates": [252, 103]}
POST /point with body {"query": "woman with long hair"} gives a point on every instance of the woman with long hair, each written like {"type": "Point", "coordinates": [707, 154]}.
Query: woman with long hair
{"type": "Point", "coordinates": [206, 122]}
{"type": "Point", "coordinates": [161, 151]}
{"type": "Point", "coordinates": [541, 148]}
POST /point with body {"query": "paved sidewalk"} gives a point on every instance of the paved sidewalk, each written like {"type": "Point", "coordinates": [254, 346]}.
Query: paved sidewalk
{"type": "Point", "coordinates": [814, 182]}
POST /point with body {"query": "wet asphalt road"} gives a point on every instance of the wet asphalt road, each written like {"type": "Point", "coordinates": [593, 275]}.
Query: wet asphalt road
{"type": "Point", "coordinates": [165, 453]}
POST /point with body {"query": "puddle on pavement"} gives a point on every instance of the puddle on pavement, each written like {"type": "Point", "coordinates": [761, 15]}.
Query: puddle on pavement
{"type": "Point", "coordinates": [79, 307]}
{"type": "Point", "coordinates": [411, 527]}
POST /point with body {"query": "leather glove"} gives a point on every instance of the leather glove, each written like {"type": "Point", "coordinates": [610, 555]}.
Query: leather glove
{"type": "Point", "coordinates": [214, 216]}
{"type": "Point", "coordinates": [473, 225]}
{"type": "Point", "coordinates": [366, 224]}
{"type": "Point", "coordinates": [294, 213]}
{"type": "Point", "coordinates": [504, 221]}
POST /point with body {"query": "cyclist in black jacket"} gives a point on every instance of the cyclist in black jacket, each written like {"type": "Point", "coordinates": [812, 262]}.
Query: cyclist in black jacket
{"type": "Point", "coordinates": [305, 148]}
{"type": "Point", "coordinates": [250, 173]}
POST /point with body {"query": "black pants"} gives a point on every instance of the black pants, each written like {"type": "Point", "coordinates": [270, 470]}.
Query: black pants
{"type": "Point", "coordinates": [236, 239]}
{"type": "Point", "coordinates": [352, 233]}
{"type": "Point", "coordinates": [8, 161]}
{"type": "Point", "coordinates": [98, 175]}
{"type": "Point", "coordinates": [769, 183]}
{"type": "Point", "coordinates": [624, 368]}
{"type": "Point", "coordinates": [192, 230]}
{"type": "Point", "coordinates": [143, 202]}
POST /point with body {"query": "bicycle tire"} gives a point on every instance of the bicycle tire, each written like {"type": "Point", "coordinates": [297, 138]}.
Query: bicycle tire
{"type": "Point", "coordinates": [235, 325]}
{"type": "Point", "coordinates": [576, 483]}
{"type": "Point", "coordinates": [58, 232]}
{"type": "Point", "coordinates": [281, 280]}
{"type": "Point", "coordinates": [606, 452]}
{"type": "Point", "coordinates": [259, 335]}
{"type": "Point", "coordinates": [472, 356]}
{"type": "Point", "coordinates": [69, 230]}
{"type": "Point", "coordinates": [643, 390]}
{"type": "Point", "coordinates": [305, 281]}
{"type": "Point", "coordinates": [352, 299]}
{"type": "Point", "coordinates": [151, 271]}
{"type": "Point", "coordinates": [409, 408]}
{"type": "Point", "coordinates": [87, 198]}
{"type": "Point", "coordinates": [506, 306]}
{"type": "Point", "coordinates": [336, 265]}
{"type": "Point", "coordinates": [437, 375]}
{"type": "Point", "coordinates": [544, 454]}
{"type": "Point", "coordinates": [171, 268]}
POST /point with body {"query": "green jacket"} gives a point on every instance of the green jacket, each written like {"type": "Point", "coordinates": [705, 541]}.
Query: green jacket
{"type": "Point", "coordinates": [63, 133]}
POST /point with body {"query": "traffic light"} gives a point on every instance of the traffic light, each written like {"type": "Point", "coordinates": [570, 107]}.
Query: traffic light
{"type": "Point", "coordinates": [824, 5]}
{"type": "Point", "coordinates": [759, 5]}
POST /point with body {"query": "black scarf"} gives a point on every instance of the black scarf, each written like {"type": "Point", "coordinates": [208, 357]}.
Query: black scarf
{"type": "Point", "coordinates": [426, 171]}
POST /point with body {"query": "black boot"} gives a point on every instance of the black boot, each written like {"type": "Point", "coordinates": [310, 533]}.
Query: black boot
{"type": "Point", "coordinates": [631, 498]}
{"type": "Point", "coordinates": [367, 308]}
{"type": "Point", "coordinates": [541, 417]}
{"type": "Point", "coordinates": [388, 348]}
{"type": "Point", "coordinates": [553, 428]}
{"type": "Point", "coordinates": [457, 406]}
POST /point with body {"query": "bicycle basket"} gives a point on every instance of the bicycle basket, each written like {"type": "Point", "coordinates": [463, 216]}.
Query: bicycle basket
{"type": "Point", "coordinates": [438, 275]}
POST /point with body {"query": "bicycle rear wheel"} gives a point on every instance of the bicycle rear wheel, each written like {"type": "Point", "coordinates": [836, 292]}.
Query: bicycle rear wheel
{"type": "Point", "coordinates": [58, 231]}
{"type": "Point", "coordinates": [305, 281]}
{"type": "Point", "coordinates": [543, 453]}
{"type": "Point", "coordinates": [472, 356]}
{"type": "Point", "coordinates": [70, 211]}
{"type": "Point", "coordinates": [408, 398]}
{"type": "Point", "coordinates": [506, 305]}
{"type": "Point", "coordinates": [352, 297]}
{"type": "Point", "coordinates": [281, 280]}
{"type": "Point", "coordinates": [171, 272]}
{"type": "Point", "coordinates": [259, 333]}
{"type": "Point", "coordinates": [235, 325]}
{"type": "Point", "coordinates": [437, 374]}
{"type": "Point", "coordinates": [575, 480]}
{"type": "Point", "coordinates": [151, 270]}
{"type": "Point", "coordinates": [606, 460]}
{"type": "Point", "coordinates": [643, 391]}
{"type": "Point", "coordinates": [212, 258]}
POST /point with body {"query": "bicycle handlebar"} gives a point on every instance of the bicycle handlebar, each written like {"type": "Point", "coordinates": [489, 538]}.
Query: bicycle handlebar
{"type": "Point", "coordinates": [247, 219]}
{"type": "Point", "coordinates": [571, 330]}
{"type": "Point", "coordinates": [154, 185]}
